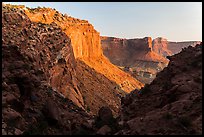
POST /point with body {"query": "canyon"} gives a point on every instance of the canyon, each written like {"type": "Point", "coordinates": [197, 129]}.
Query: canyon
{"type": "Point", "coordinates": [60, 77]}
{"type": "Point", "coordinates": [86, 48]}
{"type": "Point", "coordinates": [143, 58]}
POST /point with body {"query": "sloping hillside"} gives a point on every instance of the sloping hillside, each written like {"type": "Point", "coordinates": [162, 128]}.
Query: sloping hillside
{"type": "Point", "coordinates": [172, 103]}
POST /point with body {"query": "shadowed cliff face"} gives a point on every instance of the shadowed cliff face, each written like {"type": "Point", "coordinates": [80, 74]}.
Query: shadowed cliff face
{"type": "Point", "coordinates": [172, 103]}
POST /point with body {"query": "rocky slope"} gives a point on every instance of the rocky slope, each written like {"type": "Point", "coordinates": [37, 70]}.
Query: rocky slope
{"type": "Point", "coordinates": [135, 56]}
{"type": "Point", "coordinates": [172, 103]}
{"type": "Point", "coordinates": [86, 45]}
{"type": "Point", "coordinates": [97, 90]}
{"type": "Point", "coordinates": [35, 57]}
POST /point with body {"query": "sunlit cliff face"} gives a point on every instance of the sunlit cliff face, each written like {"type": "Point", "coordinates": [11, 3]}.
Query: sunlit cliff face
{"type": "Point", "coordinates": [86, 44]}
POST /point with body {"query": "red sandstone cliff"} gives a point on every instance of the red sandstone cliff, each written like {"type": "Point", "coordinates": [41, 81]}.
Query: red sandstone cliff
{"type": "Point", "coordinates": [125, 52]}
{"type": "Point", "coordinates": [160, 46]}
{"type": "Point", "coordinates": [136, 56]}
{"type": "Point", "coordinates": [142, 58]}
{"type": "Point", "coordinates": [85, 41]}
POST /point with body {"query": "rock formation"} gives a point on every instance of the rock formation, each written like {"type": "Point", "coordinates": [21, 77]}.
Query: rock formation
{"type": "Point", "coordinates": [160, 46]}
{"type": "Point", "coordinates": [135, 56]}
{"type": "Point", "coordinates": [142, 58]}
{"type": "Point", "coordinates": [172, 103]}
{"type": "Point", "coordinates": [85, 41]}
{"type": "Point", "coordinates": [39, 48]}
{"type": "Point", "coordinates": [124, 52]}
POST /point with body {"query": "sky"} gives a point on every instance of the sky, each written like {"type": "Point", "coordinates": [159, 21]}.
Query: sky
{"type": "Point", "coordinates": [176, 21]}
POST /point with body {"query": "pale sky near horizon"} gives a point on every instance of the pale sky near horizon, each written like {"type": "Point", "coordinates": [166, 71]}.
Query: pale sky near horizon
{"type": "Point", "coordinates": [176, 21]}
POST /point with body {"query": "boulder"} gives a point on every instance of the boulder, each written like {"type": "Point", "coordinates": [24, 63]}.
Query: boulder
{"type": "Point", "coordinates": [105, 114]}
{"type": "Point", "coordinates": [11, 114]}
{"type": "Point", "coordinates": [18, 132]}
{"type": "Point", "coordinates": [104, 130]}
{"type": "Point", "coordinates": [10, 98]}
{"type": "Point", "coordinates": [51, 112]}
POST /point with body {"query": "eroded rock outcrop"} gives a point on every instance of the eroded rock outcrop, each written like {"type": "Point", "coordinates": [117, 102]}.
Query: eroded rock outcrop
{"type": "Point", "coordinates": [160, 46]}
